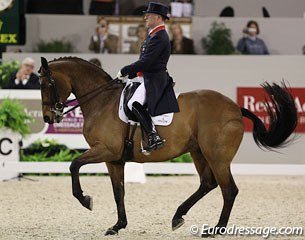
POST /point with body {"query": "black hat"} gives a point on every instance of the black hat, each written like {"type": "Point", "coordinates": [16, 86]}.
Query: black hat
{"type": "Point", "coordinates": [157, 8]}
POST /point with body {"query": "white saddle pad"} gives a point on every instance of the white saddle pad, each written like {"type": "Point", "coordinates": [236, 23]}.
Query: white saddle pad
{"type": "Point", "coordinates": [161, 120]}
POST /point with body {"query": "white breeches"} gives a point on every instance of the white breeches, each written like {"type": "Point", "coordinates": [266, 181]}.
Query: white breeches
{"type": "Point", "coordinates": [138, 96]}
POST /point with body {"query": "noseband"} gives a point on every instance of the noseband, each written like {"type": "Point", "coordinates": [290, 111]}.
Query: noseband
{"type": "Point", "coordinates": [57, 106]}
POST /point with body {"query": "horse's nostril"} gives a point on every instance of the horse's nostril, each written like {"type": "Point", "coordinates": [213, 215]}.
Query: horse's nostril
{"type": "Point", "coordinates": [46, 119]}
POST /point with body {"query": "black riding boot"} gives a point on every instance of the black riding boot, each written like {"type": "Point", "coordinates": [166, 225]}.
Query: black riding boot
{"type": "Point", "coordinates": [154, 140]}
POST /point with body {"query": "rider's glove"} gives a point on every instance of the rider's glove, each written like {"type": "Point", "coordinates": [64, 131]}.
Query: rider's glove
{"type": "Point", "coordinates": [121, 77]}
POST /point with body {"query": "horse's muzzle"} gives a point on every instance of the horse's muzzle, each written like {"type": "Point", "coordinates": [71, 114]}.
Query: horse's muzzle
{"type": "Point", "coordinates": [47, 119]}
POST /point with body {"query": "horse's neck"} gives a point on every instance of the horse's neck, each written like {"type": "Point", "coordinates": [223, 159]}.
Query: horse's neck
{"type": "Point", "coordinates": [97, 102]}
{"type": "Point", "coordinates": [104, 102]}
{"type": "Point", "coordinates": [83, 85]}
{"type": "Point", "coordinates": [85, 79]}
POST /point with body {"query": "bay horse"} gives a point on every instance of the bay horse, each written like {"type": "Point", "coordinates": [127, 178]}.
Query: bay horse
{"type": "Point", "coordinates": [209, 126]}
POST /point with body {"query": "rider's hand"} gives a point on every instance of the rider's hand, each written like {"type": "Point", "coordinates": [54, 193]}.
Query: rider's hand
{"type": "Point", "coordinates": [121, 77]}
{"type": "Point", "coordinates": [20, 75]}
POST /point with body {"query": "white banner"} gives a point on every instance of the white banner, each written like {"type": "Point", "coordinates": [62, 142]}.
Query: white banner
{"type": "Point", "coordinates": [9, 152]}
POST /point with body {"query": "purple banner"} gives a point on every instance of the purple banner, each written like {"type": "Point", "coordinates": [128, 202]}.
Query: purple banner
{"type": "Point", "coordinates": [72, 123]}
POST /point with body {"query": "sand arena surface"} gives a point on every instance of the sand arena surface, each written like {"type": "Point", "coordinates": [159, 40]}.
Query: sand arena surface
{"type": "Point", "coordinates": [46, 209]}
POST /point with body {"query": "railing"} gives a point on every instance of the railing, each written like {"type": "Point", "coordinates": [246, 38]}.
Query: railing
{"type": "Point", "coordinates": [153, 168]}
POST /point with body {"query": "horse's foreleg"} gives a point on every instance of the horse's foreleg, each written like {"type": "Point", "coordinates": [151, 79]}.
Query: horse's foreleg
{"type": "Point", "coordinates": [116, 173]}
{"type": "Point", "coordinates": [207, 183]}
{"type": "Point", "coordinates": [93, 155]}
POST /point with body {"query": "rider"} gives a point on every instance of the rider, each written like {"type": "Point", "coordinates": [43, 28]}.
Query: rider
{"type": "Point", "coordinates": [156, 91]}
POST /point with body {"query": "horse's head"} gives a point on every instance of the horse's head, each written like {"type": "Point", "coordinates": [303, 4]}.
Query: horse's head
{"type": "Point", "coordinates": [55, 87]}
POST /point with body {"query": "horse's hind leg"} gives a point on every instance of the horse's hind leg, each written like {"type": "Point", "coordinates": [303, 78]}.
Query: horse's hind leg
{"type": "Point", "coordinates": [207, 183]}
{"type": "Point", "coordinates": [219, 152]}
{"type": "Point", "coordinates": [116, 173]}
{"type": "Point", "coordinates": [229, 192]}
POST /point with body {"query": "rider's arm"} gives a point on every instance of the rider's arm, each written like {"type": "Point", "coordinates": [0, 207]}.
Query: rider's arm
{"type": "Point", "coordinates": [153, 51]}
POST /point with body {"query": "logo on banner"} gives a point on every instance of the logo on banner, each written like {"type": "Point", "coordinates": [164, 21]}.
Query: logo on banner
{"type": "Point", "coordinates": [254, 99]}
{"type": "Point", "coordinates": [72, 123]}
{"type": "Point", "coordinates": [5, 148]}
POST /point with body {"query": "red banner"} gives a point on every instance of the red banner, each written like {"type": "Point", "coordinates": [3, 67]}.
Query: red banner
{"type": "Point", "coordinates": [253, 99]}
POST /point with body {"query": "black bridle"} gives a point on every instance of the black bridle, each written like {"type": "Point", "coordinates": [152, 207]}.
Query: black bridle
{"type": "Point", "coordinates": [57, 106]}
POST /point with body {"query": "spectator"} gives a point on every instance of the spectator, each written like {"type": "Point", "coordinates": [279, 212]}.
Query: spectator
{"type": "Point", "coordinates": [141, 35]}
{"type": "Point", "coordinates": [304, 50]}
{"type": "Point", "coordinates": [24, 78]}
{"type": "Point", "coordinates": [102, 7]}
{"type": "Point", "coordinates": [179, 43]}
{"type": "Point", "coordinates": [250, 43]}
{"type": "Point", "coordinates": [96, 61]}
{"type": "Point", "coordinates": [102, 41]}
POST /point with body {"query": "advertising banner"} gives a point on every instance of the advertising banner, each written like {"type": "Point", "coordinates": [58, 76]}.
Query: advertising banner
{"type": "Point", "coordinates": [254, 99]}
{"type": "Point", "coordinates": [9, 152]}
{"type": "Point", "coordinates": [12, 23]}
{"type": "Point", "coordinates": [68, 131]}
{"type": "Point", "coordinates": [72, 123]}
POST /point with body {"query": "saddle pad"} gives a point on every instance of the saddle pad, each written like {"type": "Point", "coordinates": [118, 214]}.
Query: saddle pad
{"type": "Point", "coordinates": [161, 120]}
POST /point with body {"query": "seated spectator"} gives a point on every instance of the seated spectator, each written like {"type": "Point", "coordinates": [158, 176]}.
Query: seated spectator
{"type": "Point", "coordinates": [141, 32]}
{"type": "Point", "coordinates": [96, 61]}
{"type": "Point", "coordinates": [179, 43]}
{"type": "Point", "coordinates": [304, 50]}
{"type": "Point", "coordinates": [102, 41]}
{"type": "Point", "coordinates": [250, 43]}
{"type": "Point", "coordinates": [102, 7]}
{"type": "Point", "coordinates": [24, 78]}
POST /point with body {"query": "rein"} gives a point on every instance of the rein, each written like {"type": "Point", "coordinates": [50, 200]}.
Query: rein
{"type": "Point", "coordinates": [57, 106]}
{"type": "Point", "coordinates": [95, 92]}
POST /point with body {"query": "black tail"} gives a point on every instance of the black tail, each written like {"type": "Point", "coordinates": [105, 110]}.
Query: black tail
{"type": "Point", "coordinates": [283, 118]}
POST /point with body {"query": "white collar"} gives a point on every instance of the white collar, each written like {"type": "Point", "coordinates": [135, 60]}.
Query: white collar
{"type": "Point", "coordinates": [103, 38]}
{"type": "Point", "coordinates": [155, 28]}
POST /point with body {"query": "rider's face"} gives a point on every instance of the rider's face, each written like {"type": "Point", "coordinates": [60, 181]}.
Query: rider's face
{"type": "Point", "coordinates": [151, 20]}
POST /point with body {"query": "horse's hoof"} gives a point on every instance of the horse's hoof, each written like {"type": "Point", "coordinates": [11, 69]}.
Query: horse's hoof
{"type": "Point", "coordinates": [88, 202]}
{"type": "Point", "coordinates": [207, 233]}
{"type": "Point", "coordinates": [176, 223]}
{"type": "Point", "coordinates": [111, 231]}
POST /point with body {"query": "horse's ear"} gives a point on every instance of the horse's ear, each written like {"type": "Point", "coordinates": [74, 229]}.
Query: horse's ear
{"type": "Point", "coordinates": [44, 63]}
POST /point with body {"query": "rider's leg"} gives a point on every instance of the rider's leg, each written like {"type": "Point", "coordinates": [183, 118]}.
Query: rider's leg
{"type": "Point", "coordinates": [135, 104]}
{"type": "Point", "coordinates": [154, 140]}
{"type": "Point", "coordinates": [138, 96]}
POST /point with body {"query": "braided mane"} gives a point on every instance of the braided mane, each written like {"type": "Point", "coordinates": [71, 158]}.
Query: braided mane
{"type": "Point", "coordinates": [77, 59]}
